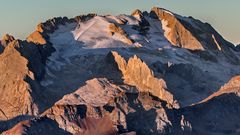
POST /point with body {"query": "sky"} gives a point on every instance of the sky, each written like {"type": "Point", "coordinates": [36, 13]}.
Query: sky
{"type": "Point", "coordinates": [20, 17]}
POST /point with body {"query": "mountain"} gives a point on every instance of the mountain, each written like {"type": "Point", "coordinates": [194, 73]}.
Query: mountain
{"type": "Point", "coordinates": [149, 73]}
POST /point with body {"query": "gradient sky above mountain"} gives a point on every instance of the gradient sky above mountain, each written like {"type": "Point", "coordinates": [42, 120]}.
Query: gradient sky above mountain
{"type": "Point", "coordinates": [20, 17]}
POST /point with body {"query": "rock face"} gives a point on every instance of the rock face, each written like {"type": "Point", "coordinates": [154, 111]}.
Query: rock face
{"type": "Point", "coordinates": [137, 73]}
{"type": "Point", "coordinates": [52, 24]}
{"type": "Point", "coordinates": [189, 33]}
{"type": "Point", "coordinates": [142, 20]}
{"type": "Point", "coordinates": [175, 31]}
{"type": "Point", "coordinates": [146, 74]}
{"type": "Point", "coordinates": [6, 39]}
{"type": "Point", "coordinates": [21, 66]}
{"type": "Point", "coordinates": [233, 86]}
{"type": "Point", "coordinates": [101, 93]}
{"type": "Point", "coordinates": [218, 113]}
{"type": "Point", "coordinates": [99, 101]}
{"type": "Point", "coordinates": [36, 38]}
{"type": "Point", "coordinates": [16, 95]}
{"type": "Point", "coordinates": [117, 31]}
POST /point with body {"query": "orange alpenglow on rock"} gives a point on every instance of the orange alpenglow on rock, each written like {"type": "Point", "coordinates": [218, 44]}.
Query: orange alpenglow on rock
{"type": "Point", "coordinates": [137, 73]}
{"type": "Point", "coordinates": [175, 32]}
{"type": "Point", "coordinates": [6, 39]}
{"type": "Point", "coordinates": [14, 88]}
{"type": "Point", "coordinates": [37, 38]}
{"type": "Point", "coordinates": [108, 75]}
{"type": "Point", "coordinates": [233, 86]}
{"type": "Point", "coordinates": [118, 31]}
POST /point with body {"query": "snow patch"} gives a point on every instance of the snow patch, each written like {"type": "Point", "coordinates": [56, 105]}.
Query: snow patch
{"type": "Point", "coordinates": [156, 37]}
{"type": "Point", "coordinates": [166, 11]}
{"type": "Point", "coordinates": [95, 34]}
{"type": "Point", "coordinates": [215, 41]}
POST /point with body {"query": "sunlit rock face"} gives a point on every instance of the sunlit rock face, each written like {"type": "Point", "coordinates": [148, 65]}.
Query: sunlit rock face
{"type": "Point", "coordinates": [137, 73]}
{"type": "Point", "coordinates": [218, 113]}
{"type": "Point", "coordinates": [16, 93]}
{"type": "Point", "coordinates": [36, 38]}
{"type": "Point", "coordinates": [6, 39]}
{"type": "Point", "coordinates": [175, 31]}
{"type": "Point", "coordinates": [147, 73]}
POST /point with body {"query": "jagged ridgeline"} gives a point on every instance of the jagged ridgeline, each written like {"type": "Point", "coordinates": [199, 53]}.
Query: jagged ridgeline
{"type": "Point", "coordinates": [147, 73]}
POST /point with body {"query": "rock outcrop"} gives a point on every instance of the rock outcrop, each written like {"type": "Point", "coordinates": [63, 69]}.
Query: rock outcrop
{"type": "Point", "coordinates": [137, 73]}
{"type": "Point", "coordinates": [36, 38]}
{"type": "Point", "coordinates": [142, 20]}
{"type": "Point", "coordinates": [233, 86]}
{"type": "Point", "coordinates": [83, 18]}
{"type": "Point", "coordinates": [16, 93]}
{"type": "Point", "coordinates": [52, 24]}
{"type": "Point", "coordinates": [175, 31]}
{"type": "Point", "coordinates": [102, 107]}
{"type": "Point", "coordinates": [118, 32]}
{"type": "Point", "coordinates": [145, 73]}
{"type": "Point", "coordinates": [6, 39]}
{"type": "Point", "coordinates": [187, 32]}
{"type": "Point", "coordinates": [22, 65]}
{"type": "Point", "coordinates": [219, 113]}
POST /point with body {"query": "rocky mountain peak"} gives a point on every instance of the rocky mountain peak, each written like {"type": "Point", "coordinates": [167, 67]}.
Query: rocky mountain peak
{"type": "Point", "coordinates": [84, 18]}
{"type": "Point", "coordinates": [118, 31]}
{"type": "Point", "coordinates": [137, 13]}
{"type": "Point", "coordinates": [175, 31]}
{"type": "Point", "coordinates": [137, 73]}
{"type": "Point", "coordinates": [105, 74]}
{"type": "Point", "coordinates": [14, 71]}
{"type": "Point", "coordinates": [6, 39]}
{"type": "Point", "coordinates": [37, 38]}
{"type": "Point", "coordinates": [190, 33]}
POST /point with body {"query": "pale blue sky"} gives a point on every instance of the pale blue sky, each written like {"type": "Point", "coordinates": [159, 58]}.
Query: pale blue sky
{"type": "Point", "coordinates": [20, 17]}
